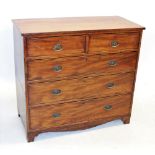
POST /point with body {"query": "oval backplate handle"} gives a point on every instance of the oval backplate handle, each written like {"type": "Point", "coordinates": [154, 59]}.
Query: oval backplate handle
{"type": "Point", "coordinates": [57, 68]}
{"type": "Point", "coordinates": [56, 91]}
{"type": "Point", "coordinates": [55, 115]}
{"type": "Point", "coordinates": [110, 85]}
{"type": "Point", "coordinates": [108, 107]}
{"type": "Point", "coordinates": [57, 47]}
{"type": "Point", "coordinates": [112, 63]}
{"type": "Point", "coordinates": [114, 43]}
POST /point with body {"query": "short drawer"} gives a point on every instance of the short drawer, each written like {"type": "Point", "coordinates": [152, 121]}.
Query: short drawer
{"type": "Point", "coordinates": [56, 46]}
{"type": "Point", "coordinates": [75, 89]}
{"type": "Point", "coordinates": [55, 116]}
{"type": "Point", "coordinates": [112, 43]}
{"type": "Point", "coordinates": [81, 66]}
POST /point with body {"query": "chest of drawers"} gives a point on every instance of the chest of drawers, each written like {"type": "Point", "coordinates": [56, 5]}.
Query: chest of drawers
{"type": "Point", "coordinates": [74, 73]}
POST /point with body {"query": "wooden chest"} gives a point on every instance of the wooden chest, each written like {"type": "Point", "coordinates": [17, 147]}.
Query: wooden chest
{"type": "Point", "coordinates": [74, 73]}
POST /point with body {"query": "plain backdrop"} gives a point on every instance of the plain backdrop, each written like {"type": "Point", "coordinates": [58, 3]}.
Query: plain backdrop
{"type": "Point", "coordinates": [111, 138]}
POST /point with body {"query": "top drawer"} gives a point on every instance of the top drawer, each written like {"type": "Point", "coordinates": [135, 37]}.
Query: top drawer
{"type": "Point", "coordinates": [56, 46]}
{"type": "Point", "coordinates": [112, 43]}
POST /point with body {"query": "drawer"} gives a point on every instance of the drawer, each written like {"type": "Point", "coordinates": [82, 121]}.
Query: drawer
{"type": "Point", "coordinates": [56, 46]}
{"type": "Point", "coordinates": [75, 89]}
{"type": "Point", "coordinates": [67, 114]}
{"type": "Point", "coordinates": [81, 66]}
{"type": "Point", "coordinates": [112, 43]}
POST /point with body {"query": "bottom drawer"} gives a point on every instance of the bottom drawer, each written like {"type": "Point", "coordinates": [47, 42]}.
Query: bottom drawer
{"type": "Point", "coordinates": [55, 116]}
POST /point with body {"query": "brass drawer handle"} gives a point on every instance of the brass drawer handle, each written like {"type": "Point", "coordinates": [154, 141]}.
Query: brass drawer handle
{"type": "Point", "coordinates": [57, 47]}
{"type": "Point", "coordinates": [110, 85]}
{"type": "Point", "coordinates": [112, 63]}
{"type": "Point", "coordinates": [108, 107]}
{"type": "Point", "coordinates": [56, 91]}
{"type": "Point", "coordinates": [57, 68]}
{"type": "Point", "coordinates": [56, 115]}
{"type": "Point", "coordinates": [114, 43]}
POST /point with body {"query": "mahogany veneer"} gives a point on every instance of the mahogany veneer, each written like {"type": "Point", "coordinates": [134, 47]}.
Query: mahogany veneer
{"type": "Point", "coordinates": [75, 73]}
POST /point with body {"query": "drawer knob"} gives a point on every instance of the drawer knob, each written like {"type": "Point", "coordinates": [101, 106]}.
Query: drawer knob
{"type": "Point", "coordinates": [56, 91]}
{"type": "Point", "coordinates": [108, 107]}
{"type": "Point", "coordinates": [55, 115]}
{"type": "Point", "coordinates": [57, 47]}
{"type": "Point", "coordinates": [114, 43]}
{"type": "Point", "coordinates": [112, 63]}
{"type": "Point", "coordinates": [110, 85]}
{"type": "Point", "coordinates": [57, 68]}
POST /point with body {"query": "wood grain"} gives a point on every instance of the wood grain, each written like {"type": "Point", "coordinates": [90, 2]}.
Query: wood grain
{"type": "Point", "coordinates": [43, 70]}
{"type": "Point", "coordinates": [102, 43]}
{"type": "Point", "coordinates": [71, 113]}
{"type": "Point", "coordinates": [76, 89]}
{"type": "Point", "coordinates": [76, 126]}
{"type": "Point", "coordinates": [92, 74]}
{"type": "Point", "coordinates": [72, 45]}
{"type": "Point", "coordinates": [33, 26]}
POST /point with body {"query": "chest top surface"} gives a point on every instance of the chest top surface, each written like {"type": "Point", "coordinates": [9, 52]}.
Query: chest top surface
{"type": "Point", "coordinates": [50, 25]}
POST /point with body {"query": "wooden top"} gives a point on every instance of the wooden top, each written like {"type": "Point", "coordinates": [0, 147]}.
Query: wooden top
{"type": "Point", "coordinates": [33, 26]}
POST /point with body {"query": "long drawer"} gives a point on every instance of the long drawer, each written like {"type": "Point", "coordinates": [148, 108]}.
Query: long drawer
{"type": "Point", "coordinates": [81, 66]}
{"type": "Point", "coordinates": [75, 89]}
{"type": "Point", "coordinates": [77, 112]}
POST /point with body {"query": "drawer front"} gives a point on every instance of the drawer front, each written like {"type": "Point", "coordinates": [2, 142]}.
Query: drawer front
{"type": "Point", "coordinates": [112, 43]}
{"type": "Point", "coordinates": [81, 66]}
{"type": "Point", "coordinates": [55, 116]}
{"type": "Point", "coordinates": [56, 46]}
{"type": "Point", "coordinates": [75, 89]}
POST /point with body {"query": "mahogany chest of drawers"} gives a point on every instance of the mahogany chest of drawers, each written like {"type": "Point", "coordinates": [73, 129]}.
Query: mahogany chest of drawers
{"type": "Point", "coordinates": [74, 73]}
